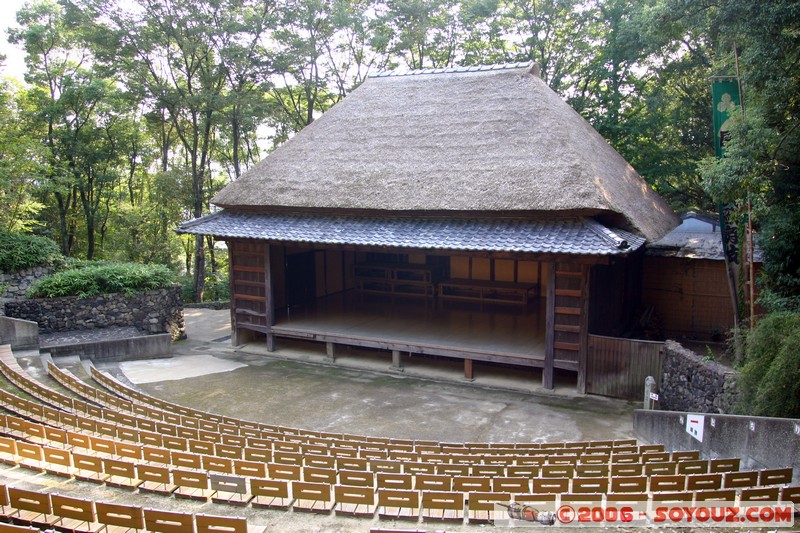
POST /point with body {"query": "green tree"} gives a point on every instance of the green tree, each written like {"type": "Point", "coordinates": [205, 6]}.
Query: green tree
{"type": "Point", "coordinates": [22, 166]}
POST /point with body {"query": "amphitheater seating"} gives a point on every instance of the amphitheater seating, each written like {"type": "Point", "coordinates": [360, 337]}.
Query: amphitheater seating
{"type": "Point", "coordinates": [141, 443]}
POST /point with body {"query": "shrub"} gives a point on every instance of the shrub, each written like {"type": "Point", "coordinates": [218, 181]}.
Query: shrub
{"type": "Point", "coordinates": [770, 381]}
{"type": "Point", "coordinates": [19, 251]}
{"type": "Point", "coordinates": [103, 278]}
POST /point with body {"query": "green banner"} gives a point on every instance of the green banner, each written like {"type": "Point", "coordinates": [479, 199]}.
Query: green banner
{"type": "Point", "coordinates": [725, 96]}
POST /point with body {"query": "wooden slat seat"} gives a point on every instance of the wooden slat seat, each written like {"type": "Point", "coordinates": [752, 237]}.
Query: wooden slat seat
{"type": "Point", "coordinates": [229, 489]}
{"type": "Point", "coordinates": [75, 514]}
{"type": "Point", "coordinates": [550, 485]}
{"type": "Point", "coordinates": [57, 462]}
{"type": "Point", "coordinates": [270, 493]}
{"type": "Point", "coordinates": [432, 482]}
{"type": "Point", "coordinates": [589, 485]}
{"type": "Point", "coordinates": [759, 494]}
{"type": "Point", "coordinates": [626, 469]}
{"type": "Point", "coordinates": [775, 476]}
{"type": "Point", "coordinates": [511, 485]}
{"type": "Point", "coordinates": [738, 480]}
{"type": "Point", "coordinates": [489, 470]}
{"type": "Point", "coordinates": [660, 469]}
{"type": "Point", "coordinates": [389, 480]}
{"type": "Point", "coordinates": [704, 482]}
{"type": "Point", "coordinates": [191, 484]}
{"type": "Point", "coordinates": [120, 474]}
{"type": "Point", "coordinates": [312, 497]}
{"type": "Point", "coordinates": [88, 468]}
{"type": "Point", "coordinates": [724, 465]}
{"type": "Point", "coordinates": [667, 483]}
{"type": "Point", "coordinates": [286, 472]}
{"type": "Point", "coordinates": [481, 506]}
{"type": "Point", "coordinates": [630, 484]}
{"type": "Point", "coordinates": [354, 500]}
{"type": "Point", "coordinates": [319, 475]}
{"type": "Point", "coordinates": [249, 468]}
{"type": "Point", "coordinates": [398, 504]}
{"type": "Point", "coordinates": [155, 478]}
{"type": "Point", "coordinates": [158, 521]}
{"type": "Point", "coordinates": [356, 478]}
{"type": "Point", "coordinates": [443, 506]}
{"type": "Point", "coordinates": [715, 495]}
{"type": "Point", "coordinates": [223, 524]}
{"type": "Point", "coordinates": [696, 466]}
{"type": "Point", "coordinates": [33, 508]}
{"type": "Point", "coordinates": [30, 456]}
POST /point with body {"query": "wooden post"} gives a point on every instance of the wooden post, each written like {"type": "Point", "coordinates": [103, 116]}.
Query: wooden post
{"type": "Point", "coordinates": [583, 336]}
{"type": "Point", "coordinates": [549, 350]}
{"type": "Point", "coordinates": [396, 365]}
{"type": "Point", "coordinates": [232, 258]}
{"type": "Point", "coordinates": [270, 299]}
{"type": "Point", "coordinates": [330, 350]}
{"type": "Point", "coordinates": [468, 370]}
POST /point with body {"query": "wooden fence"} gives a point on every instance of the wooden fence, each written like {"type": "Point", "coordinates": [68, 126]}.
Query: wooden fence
{"type": "Point", "coordinates": [618, 367]}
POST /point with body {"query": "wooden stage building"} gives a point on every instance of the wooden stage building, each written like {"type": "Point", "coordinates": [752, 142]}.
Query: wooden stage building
{"type": "Point", "coordinates": [466, 213]}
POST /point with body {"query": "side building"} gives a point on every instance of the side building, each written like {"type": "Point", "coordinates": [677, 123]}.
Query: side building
{"type": "Point", "coordinates": [466, 213]}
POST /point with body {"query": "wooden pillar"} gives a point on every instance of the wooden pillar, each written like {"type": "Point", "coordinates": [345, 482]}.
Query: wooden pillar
{"type": "Point", "coordinates": [330, 351]}
{"type": "Point", "coordinates": [583, 353]}
{"type": "Point", "coordinates": [269, 309]}
{"type": "Point", "coordinates": [468, 370]}
{"type": "Point", "coordinates": [396, 365]}
{"type": "Point", "coordinates": [549, 350]}
{"type": "Point", "coordinates": [232, 258]}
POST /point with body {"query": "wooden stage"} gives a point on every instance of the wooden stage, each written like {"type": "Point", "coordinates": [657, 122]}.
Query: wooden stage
{"type": "Point", "coordinates": [488, 332]}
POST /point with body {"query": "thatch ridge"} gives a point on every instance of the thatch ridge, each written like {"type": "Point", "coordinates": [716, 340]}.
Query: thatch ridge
{"type": "Point", "coordinates": [488, 140]}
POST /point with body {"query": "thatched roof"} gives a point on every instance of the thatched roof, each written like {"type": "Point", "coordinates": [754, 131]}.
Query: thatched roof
{"type": "Point", "coordinates": [489, 140]}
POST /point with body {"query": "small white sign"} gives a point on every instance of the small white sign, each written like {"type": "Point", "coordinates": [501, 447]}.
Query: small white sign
{"type": "Point", "coordinates": [694, 426]}
{"type": "Point", "coordinates": [654, 396]}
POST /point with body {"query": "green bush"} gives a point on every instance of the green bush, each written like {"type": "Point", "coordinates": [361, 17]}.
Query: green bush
{"type": "Point", "coordinates": [103, 278]}
{"type": "Point", "coordinates": [770, 381]}
{"type": "Point", "coordinates": [19, 251]}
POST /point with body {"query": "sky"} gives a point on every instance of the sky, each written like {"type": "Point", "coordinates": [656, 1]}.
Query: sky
{"type": "Point", "coordinates": [15, 62]}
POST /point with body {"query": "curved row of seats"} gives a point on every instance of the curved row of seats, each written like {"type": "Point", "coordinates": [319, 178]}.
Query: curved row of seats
{"type": "Point", "coordinates": [354, 476]}
{"type": "Point", "coordinates": [66, 513]}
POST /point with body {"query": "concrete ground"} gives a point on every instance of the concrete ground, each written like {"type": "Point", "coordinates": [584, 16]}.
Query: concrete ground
{"type": "Point", "coordinates": [358, 395]}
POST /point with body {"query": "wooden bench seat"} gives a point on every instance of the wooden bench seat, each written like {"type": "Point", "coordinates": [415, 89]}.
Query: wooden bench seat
{"type": "Point", "coordinates": [354, 500]}
{"type": "Point", "coordinates": [270, 493]}
{"type": "Point", "coordinates": [471, 290]}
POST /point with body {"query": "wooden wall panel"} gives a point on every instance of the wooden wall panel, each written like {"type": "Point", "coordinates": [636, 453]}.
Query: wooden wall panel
{"type": "Point", "coordinates": [690, 296]}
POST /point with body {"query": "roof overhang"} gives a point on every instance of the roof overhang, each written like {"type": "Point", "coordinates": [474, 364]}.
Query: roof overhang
{"type": "Point", "coordinates": [579, 236]}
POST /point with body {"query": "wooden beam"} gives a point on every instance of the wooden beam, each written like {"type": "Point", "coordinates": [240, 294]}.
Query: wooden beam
{"type": "Point", "coordinates": [583, 336]}
{"type": "Point", "coordinates": [468, 370]}
{"type": "Point", "coordinates": [550, 334]}
{"type": "Point", "coordinates": [269, 309]}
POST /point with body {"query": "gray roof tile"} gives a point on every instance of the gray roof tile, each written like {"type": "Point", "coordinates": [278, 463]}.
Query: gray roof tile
{"type": "Point", "coordinates": [577, 236]}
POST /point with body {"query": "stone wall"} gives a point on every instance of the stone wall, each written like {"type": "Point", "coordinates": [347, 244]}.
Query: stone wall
{"type": "Point", "coordinates": [15, 285]}
{"type": "Point", "coordinates": [691, 383]}
{"type": "Point", "coordinates": [156, 311]}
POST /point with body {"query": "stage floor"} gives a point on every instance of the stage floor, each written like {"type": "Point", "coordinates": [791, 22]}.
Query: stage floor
{"type": "Point", "coordinates": [491, 332]}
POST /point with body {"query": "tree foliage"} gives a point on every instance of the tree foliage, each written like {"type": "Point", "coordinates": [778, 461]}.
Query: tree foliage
{"type": "Point", "coordinates": [19, 251]}
{"type": "Point", "coordinates": [770, 382]}
{"type": "Point", "coordinates": [137, 112]}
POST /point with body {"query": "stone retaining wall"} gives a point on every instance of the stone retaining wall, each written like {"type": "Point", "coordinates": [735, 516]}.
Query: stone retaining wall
{"type": "Point", "coordinates": [15, 285]}
{"type": "Point", "coordinates": [691, 383]}
{"type": "Point", "coordinates": [156, 311]}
